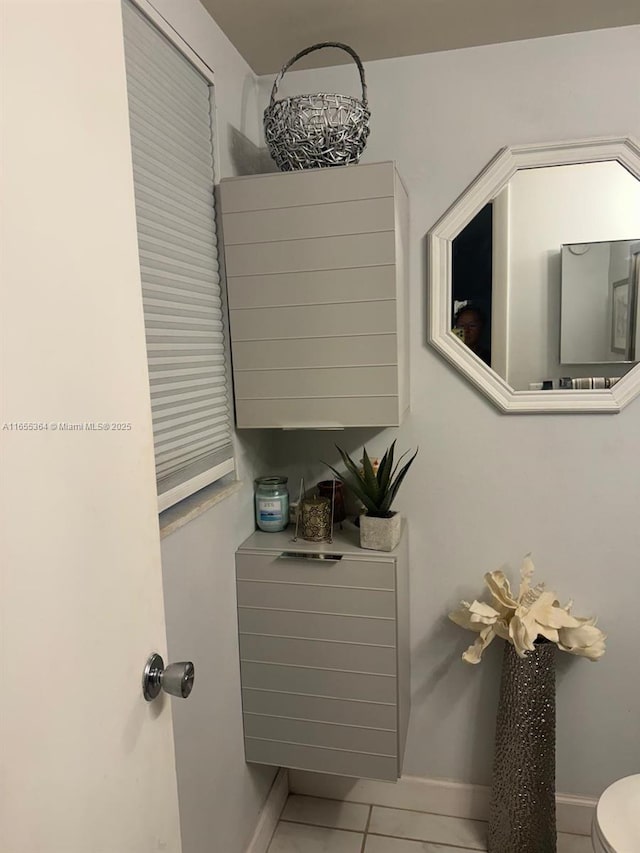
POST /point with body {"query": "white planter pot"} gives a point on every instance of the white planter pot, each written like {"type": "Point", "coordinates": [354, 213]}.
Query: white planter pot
{"type": "Point", "coordinates": [380, 534]}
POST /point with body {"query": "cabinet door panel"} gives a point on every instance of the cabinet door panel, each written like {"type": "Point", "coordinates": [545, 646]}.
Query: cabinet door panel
{"type": "Point", "coordinates": [279, 189]}
{"type": "Point", "coordinates": [357, 284]}
{"type": "Point", "coordinates": [317, 653]}
{"type": "Point", "coordinates": [353, 738]}
{"type": "Point", "coordinates": [325, 352]}
{"type": "Point", "coordinates": [311, 321]}
{"type": "Point", "coordinates": [323, 760]}
{"type": "Point", "coordinates": [316, 599]}
{"type": "Point", "coordinates": [320, 626]}
{"type": "Point", "coordinates": [320, 682]}
{"type": "Point", "coordinates": [366, 574]}
{"type": "Point", "coordinates": [319, 253]}
{"type": "Point", "coordinates": [318, 412]}
{"type": "Point", "coordinates": [309, 220]}
{"type": "Point", "coordinates": [320, 708]}
{"type": "Point", "coordinates": [323, 382]}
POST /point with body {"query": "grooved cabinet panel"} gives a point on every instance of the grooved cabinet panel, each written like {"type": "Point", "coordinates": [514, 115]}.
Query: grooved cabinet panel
{"type": "Point", "coordinates": [316, 278]}
{"type": "Point", "coordinates": [327, 381]}
{"type": "Point", "coordinates": [309, 412]}
{"type": "Point", "coordinates": [279, 189]}
{"type": "Point", "coordinates": [315, 287]}
{"type": "Point", "coordinates": [324, 655]}
{"type": "Point", "coordinates": [319, 682]}
{"type": "Point", "coordinates": [378, 715]}
{"type": "Point", "coordinates": [322, 760]}
{"type": "Point", "coordinates": [368, 574]}
{"type": "Point", "coordinates": [301, 652]}
{"type": "Point", "coordinates": [352, 318]}
{"type": "Point", "coordinates": [318, 599]}
{"type": "Point", "coordinates": [317, 626]}
{"type": "Point", "coordinates": [330, 735]}
{"type": "Point", "coordinates": [350, 351]}
{"type": "Point", "coordinates": [310, 220]}
{"type": "Point", "coordinates": [318, 253]}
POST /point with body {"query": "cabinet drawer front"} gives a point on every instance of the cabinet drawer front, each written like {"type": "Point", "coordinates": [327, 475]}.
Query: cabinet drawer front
{"type": "Point", "coordinates": [319, 682]}
{"type": "Point", "coordinates": [281, 189]}
{"type": "Point", "coordinates": [322, 760]}
{"type": "Point", "coordinates": [319, 253]}
{"type": "Point", "coordinates": [321, 734]}
{"type": "Point", "coordinates": [319, 626]}
{"type": "Point", "coordinates": [321, 382]}
{"type": "Point", "coordinates": [310, 220]}
{"type": "Point", "coordinates": [313, 287]}
{"type": "Point", "coordinates": [313, 321]}
{"type": "Point", "coordinates": [365, 574]}
{"type": "Point", "coordinates": [326, 352]}
{"type": "Point", "coordinates": [319, 412]}
{"type": "Point", "coordinates": [319, 709]}
{"type": "Point", "coordinates": [316, 653]}
{"type": "Point", "coordinates": [316, 599]}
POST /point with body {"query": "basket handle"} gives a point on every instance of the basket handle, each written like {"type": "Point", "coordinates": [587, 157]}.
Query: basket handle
{"type": "Point", "coordinates": [313, 47]}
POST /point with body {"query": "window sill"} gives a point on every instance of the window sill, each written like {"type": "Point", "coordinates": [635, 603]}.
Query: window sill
{"type": "Point", "coordinates": [187, 510]}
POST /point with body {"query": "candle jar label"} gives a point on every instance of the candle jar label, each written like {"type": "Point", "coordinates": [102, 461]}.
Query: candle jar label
{"type": "Point", "coordinates": [270, 511]}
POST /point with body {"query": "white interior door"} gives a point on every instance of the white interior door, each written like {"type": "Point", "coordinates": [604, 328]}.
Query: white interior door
{"type": "Point", "coordinates": [88, 765]}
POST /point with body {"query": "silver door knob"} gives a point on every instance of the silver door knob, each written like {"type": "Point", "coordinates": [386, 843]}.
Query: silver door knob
{"type": "Point", "coordinates": [176, 679]}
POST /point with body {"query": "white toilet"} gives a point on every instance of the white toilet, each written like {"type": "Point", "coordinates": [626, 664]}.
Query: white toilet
{"type": "Point", "coordinates": [616, 825]}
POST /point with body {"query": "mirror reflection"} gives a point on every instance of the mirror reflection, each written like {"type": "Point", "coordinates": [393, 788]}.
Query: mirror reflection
{"type": "Point", "coordinates": [545, 277]}
{"type": "Point", "coordinates": [598, 294]}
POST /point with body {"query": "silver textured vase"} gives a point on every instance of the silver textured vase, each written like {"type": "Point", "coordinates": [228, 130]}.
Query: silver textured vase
{"type": "Point", "coordinates": [522, 817]}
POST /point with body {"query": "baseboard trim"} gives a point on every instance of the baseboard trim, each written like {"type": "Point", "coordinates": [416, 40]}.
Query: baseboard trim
{"type": "Point", "coordinates": [438, 796]}
{"type": "Point", "coordinates": [270, 814]}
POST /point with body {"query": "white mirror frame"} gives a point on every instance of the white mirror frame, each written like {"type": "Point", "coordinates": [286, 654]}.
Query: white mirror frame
{"type": "Point", "coordinates": [484, 189]}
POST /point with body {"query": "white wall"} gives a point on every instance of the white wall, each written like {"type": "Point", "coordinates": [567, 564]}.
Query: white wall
{"type": "Point", "coordinates": [548, 207]}
{"type": "Point", "coordinates": [486, 488]}
{"type": "Point", "coordinates": [220, 796]}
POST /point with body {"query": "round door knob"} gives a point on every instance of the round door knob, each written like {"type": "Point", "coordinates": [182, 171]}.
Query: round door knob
{"type": "Point", "coordinates": [176, 679]}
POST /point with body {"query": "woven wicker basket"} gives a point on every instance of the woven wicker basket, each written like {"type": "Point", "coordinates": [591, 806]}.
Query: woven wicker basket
{"type": "Point", "coordinates": [311, 131]}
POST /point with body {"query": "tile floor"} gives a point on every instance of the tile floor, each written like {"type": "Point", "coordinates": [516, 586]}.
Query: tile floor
{"type": "Point", "coordinates": [313, 825]}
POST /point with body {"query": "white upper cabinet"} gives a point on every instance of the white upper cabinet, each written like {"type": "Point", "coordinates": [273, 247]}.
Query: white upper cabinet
{"type": "Point", "coordinates": [317, 290]}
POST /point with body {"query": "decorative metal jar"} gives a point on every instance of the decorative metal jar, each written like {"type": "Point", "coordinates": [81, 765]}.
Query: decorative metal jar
{"type": "Point", "coordinates": [311, 131]}
{"type": "Point", "coordinates": [272, 503]}
{"type": "Point", "coordinates": [316, 519]}
{"type": "Point", "coordinates": [522, 816]}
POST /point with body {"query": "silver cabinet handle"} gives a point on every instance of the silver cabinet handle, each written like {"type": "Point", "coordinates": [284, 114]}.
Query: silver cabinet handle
{"type": "Point", "coordinates": [176, 679]}
{"type": "Point", "coordinates": [304, 555]}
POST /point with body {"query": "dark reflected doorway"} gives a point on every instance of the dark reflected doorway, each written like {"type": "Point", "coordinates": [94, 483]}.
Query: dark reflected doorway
{"type": "Point", "coordinates": [472, 277]}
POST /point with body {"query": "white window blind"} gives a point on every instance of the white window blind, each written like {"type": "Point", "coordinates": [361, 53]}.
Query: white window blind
{"type": "Point", "coordinates": [171, 118]}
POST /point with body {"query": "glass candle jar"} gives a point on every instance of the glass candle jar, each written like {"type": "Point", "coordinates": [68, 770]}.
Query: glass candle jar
{"type": "Point", "coordinates": [334, 490]}
{"type": "Point", "coordinates": [272, 503]}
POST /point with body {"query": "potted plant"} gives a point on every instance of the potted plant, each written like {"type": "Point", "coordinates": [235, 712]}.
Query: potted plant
{"type": "Point", "coordinates": [380, 526]}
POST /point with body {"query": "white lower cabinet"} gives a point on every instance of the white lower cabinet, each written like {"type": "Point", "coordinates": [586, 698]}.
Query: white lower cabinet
{"type": "Point", "coordinates": [324, 654]}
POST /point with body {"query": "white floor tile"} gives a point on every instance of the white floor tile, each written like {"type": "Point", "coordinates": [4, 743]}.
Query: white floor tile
{"type": "Point", "coordinates": [384, 844]}
{"type": "Point", "coordinates": [298, 838]}
{"type": "Point", "coordinates": [326, 812]}
{"type": "Point", "coordinates": [574, 843]}
{"type": "Point", "coordinates": [471, 834]}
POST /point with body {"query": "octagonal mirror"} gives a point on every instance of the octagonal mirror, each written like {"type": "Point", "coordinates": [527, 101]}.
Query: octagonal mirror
{"type": "Point", "coordinates": [534, 278]}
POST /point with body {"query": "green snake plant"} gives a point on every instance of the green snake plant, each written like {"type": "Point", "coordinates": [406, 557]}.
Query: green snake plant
{"type": "Point", "coordinates": [376, 490]}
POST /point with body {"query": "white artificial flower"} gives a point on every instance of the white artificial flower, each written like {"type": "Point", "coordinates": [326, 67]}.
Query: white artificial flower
{"type": "Point", "coordinates": [535, 613]}
{"type": "Point", "coordinates": [585, 640]}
